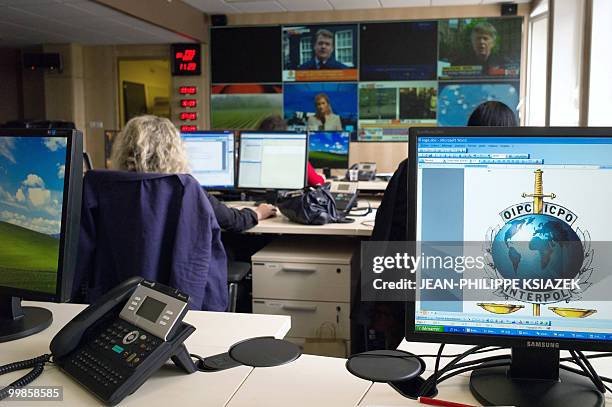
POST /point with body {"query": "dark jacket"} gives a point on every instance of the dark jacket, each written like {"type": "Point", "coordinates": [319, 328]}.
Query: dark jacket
{"type": "Point", "coordinates": [331, 63]}
{"type": "Point", "coordinates": [385, 320]}
{"type": "Point", "coordinates": [231, 219]}
{"type": "Point", "coordinates": [157, 226]}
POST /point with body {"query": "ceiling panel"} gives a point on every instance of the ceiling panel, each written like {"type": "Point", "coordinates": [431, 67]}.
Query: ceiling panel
{"type": "Point", "coordinates": [32, 22]}
{"type": "Point", "coordinates": [354, 4]}
{"type": "Point", "coordinates": [405, 3]}
{"type": "Point", "coordinates": [212, 6]}
{"type": "Point", "coordinates": [301, 5]}
{"type": "Point", "coordinates": [258, 6]}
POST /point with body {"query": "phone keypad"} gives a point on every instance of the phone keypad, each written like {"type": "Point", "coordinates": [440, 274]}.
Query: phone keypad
{"type": "Point", "coordinates": [126, 342]}
{"type": "Point", "coordinates": [98, 370]}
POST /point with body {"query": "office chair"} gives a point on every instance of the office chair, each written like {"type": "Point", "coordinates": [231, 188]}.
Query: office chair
{"type": "Point", "coordinates": [157, 226]}
{"type": "Point", "coordinates": [236, 272]}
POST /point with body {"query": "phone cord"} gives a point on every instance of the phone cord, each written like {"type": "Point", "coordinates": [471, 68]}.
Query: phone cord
{"type": "Point", "coordinates": [37, 364]}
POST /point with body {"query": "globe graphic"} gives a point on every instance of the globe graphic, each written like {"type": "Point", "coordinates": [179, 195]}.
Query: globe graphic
{"type": "Point", "coordinates": [537, 246]}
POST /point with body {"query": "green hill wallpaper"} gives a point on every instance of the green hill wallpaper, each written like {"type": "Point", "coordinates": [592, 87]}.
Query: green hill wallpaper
{"type": "Point", "coordinates": [28, 259]}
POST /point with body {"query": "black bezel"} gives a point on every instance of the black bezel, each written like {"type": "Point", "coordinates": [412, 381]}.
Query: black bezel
{"type": "Point", "coordinates": [493, 340]}
{"type": "Point", "coordinates": [234, 138]}
{"type": "Point", "coordinates": [238, 186]}
{"type": "Point", "coordinates": [71, 214]}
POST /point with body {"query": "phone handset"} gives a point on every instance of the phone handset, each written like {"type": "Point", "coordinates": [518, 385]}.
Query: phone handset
{"type": "Point", "coordinates": [69, 337]}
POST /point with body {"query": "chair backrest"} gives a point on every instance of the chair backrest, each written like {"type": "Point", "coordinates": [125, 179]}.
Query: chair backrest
{"type": "Point", "coordinates": [157, 226]}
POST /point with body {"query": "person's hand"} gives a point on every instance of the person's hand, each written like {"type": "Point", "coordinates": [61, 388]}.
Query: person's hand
{"type": "Point", "coordinates": [265, 211]}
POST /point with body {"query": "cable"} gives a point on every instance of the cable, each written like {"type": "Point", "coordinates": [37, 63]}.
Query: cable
{"type": "Point", "coordinates": [37, 364]}
{"type": "Point", "coordinates": [367, 210]}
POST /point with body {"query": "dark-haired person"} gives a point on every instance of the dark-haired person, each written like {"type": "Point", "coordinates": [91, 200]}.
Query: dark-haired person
{"type": "Point", "coordinates": [492, 113]}
{"type": "Point", "coordinates": [324, 118]}
{"type": "Point", "coordinates": [276, 123]}
{"type": "Point", "coordinates": [323, 49]}
{"type": "Point", "coordinates": [153, 144]}
{"type": "Point", "coordinates": [388, 318]}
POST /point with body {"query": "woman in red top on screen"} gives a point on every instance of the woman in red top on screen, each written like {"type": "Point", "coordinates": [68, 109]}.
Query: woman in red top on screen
{"type": "Point", "coordinates": [276, 123]}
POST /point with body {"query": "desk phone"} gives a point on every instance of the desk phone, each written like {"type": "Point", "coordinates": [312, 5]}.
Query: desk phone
{"type": "Point", "coordinates": [113, 346]}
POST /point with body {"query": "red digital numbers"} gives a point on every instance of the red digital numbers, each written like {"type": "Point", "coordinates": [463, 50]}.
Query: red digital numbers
{"type": "Point", "coordinates": [189, 102]}
{"type": "Point", "coordinates": [186, 59]}
{"type": "Point", "coordinates": [188, 116]}
{"type": "Point", "coordinates": [188, 127]}
{"type": "Point", "coordinates": [188, 90]}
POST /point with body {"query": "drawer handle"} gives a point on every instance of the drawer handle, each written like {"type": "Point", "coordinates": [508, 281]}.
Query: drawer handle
{"type": "Point", "coordinates": [298, 270]}
{"type": "Point", "coordinates": [304, 308]}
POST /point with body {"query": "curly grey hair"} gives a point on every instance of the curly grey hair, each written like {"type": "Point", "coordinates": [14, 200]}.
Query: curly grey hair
{"type": "Point", "coordinates": [149, 144]}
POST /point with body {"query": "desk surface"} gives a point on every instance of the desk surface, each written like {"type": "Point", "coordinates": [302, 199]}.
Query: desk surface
{"type": "Point", "coordinates": [215, 333]}
{"type": "Point", "coordinates": [376, 185]}
{"type": "Point", "coordinates": [455, 389]}
{"type": "Point", "coordinates": [279, 224]}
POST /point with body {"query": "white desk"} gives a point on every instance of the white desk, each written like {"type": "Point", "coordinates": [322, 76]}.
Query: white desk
{"type": "Point", "coordinates": [169, 386]}
{"type": "Point", "coordinates": [310, 381]}
{"type": "Point", "coordinates": [279, 224]}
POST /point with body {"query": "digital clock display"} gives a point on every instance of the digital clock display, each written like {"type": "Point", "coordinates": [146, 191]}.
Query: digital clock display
{"type": "Point", "coordinates": [188, 116]}
{"type": "Point", "coordinates": [186, 59]}
{"type": "Point", "coordinates": [188, 127]}
{"type": "Point", "coordinates": [188, 90]}
{"type": "Point", "coordinates": [189, 103]}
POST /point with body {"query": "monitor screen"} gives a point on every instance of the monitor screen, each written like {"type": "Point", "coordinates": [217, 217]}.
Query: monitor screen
{"type": "Point", "coordinates": [41, 177]}
{"type": "Point", "coordinates": [540, 203]}
{"type": "Point", "coordinates": [403, 51]}
{"type": "Point", "coordinates": [315, 53]}
{"type": "Point", "coordinates": [328, 149]}
{"type": "Point", "coordinates": [234, 50]}
{"type": "Point", "coordinates": [457, 101]}
{"type": "Point", "coordinates": [479, 48]}
{"type": "Point", "coordinates": [211, 157]}
{"type": "Point", "coordinates": [244, 106]}
{"type": "Point", "coordinates": [272, 160]}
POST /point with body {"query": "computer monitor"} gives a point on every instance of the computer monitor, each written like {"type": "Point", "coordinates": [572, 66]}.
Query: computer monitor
{"type": "Point", "coordinates": [40, 204]}
{"type": "Point", "coordinates": [329, 149]}
{"type": "Point", "coordinates": [211, 157]}
{"type": "Point", "coordinates": [540, 197]}
{"type": "Point", "coordinates": [272, 160]}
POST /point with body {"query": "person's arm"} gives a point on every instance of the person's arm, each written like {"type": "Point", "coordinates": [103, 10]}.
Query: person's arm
{"type": "Point", "coordinates": [239, 220]}
{"type": "Point", "coordinates": [314, 179]}
{"type": "Point", "coordinates": [231, 219]}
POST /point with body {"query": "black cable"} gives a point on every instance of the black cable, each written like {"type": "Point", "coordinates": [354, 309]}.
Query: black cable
{"type": "Point", "coordinates": [454, 355]}
{"type": "Point", "coordinates": [469, 369]}
{"type": "Point", "coordinates": [367, 210]}
{"type": "Point", "coordinates": [37, 364]}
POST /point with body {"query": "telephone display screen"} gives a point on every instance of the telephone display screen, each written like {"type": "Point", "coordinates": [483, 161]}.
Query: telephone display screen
{"type": "Point", "coordinates": [150, 309]}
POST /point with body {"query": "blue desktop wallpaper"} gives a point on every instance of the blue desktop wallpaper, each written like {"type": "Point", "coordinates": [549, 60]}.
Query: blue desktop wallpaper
{"type": "Point", "coordinates": [329, 141]}
{"type": "Point", "coordinates": [32, 182]}
{"type": "Point", "coordinates": [457, 101]}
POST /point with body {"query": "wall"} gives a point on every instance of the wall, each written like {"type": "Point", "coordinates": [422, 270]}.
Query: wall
{"type": "Point", "coordinates": [10, 100]}
{"type": "Point", "coordinates": [386, 155]}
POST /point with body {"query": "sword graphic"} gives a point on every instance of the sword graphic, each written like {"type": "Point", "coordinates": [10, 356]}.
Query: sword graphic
{"type": "Point", "coordinates": [538, 207]}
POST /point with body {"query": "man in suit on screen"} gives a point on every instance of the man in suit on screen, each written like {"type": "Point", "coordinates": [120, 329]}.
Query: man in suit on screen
{"type": "Point", "coordinates": [323, 49]}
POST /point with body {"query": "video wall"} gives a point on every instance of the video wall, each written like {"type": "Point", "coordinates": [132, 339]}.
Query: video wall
{"type": "Point", "coordinates": [373, 80]}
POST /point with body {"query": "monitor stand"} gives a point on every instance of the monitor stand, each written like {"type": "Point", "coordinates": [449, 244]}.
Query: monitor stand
{"type": "Point", "coordinates": [18, 322]}
{"type": "Point", "coordinates": [533, 379]}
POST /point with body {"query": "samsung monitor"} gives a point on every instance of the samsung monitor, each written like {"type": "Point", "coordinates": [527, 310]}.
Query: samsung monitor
{"type": "Point", "coordinates": [328, 149]}
{"type": "Point", "coordinates": [272, 160]}
{"type": "Point", "coordinates": [530, 205]}
{"type": "Point", "coordinates": [211, 157]}
{"type": "Point", "coordinates": [40, 201]}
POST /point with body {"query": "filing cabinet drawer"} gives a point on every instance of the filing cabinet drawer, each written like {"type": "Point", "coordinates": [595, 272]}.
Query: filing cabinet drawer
{"type": "Point", "coordinates": [302, 281]}
{"type": "Point", "coordinates": [307, 317]}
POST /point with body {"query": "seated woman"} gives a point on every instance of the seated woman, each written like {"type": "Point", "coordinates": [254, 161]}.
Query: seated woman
{"type": "Point", "coordinates": [276, 123]}
{"type": "Point", "coordinates": [153, 144]}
